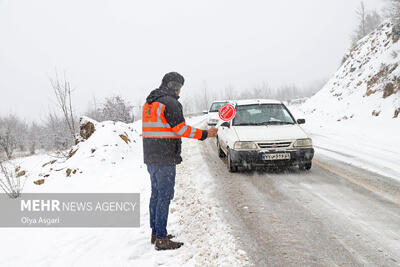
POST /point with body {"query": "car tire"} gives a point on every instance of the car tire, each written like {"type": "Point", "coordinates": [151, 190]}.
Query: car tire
{"type": "Point", "coordinates": [305, 166]}
{"type": "Point", "coordinates": [221, 153]}
{"type": "Point", "coordinates": [231, 167]}
{"type": "Point", "coordinates": [249, 168]}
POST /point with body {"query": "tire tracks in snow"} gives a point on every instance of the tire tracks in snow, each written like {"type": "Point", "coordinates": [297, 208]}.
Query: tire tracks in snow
{"type": "Point", "coordinates": [306, 218]}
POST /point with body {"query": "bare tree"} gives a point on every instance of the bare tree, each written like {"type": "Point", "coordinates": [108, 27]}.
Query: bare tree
{"type": "Point", "coordinates": [33, 137]}
{"type": "Point", "coordinates": [372, 21]}
{"type": "Point", "coordinates": [205, 99]}
{"type": "Point", "coordinates": [114, 108]}
{"type": "Point", "coordinates": [361, 13]}
{"type": "Point", "coordinates": [10, 183]}
{"type": "Point", "coordinates": [93, 111]}
{"type": "Point", "coordinates": [22, 134]}
{"type": "Point", "coordinates": [15, 134]}
{"type": "Point", "coordinates": [117, 109]}
{"type": "Point", "coordinates": [138, 108]}
{"type": "Point", "coordinates": [230, 93]}
{"type": "Point", "coordinates": [9, 135]}
{"type": "Point", "coordinates": [367, 22]}
{"type": "Point", "coordinates": [56, 134]}
{"type": "Point", "coordinates": [62, 90]}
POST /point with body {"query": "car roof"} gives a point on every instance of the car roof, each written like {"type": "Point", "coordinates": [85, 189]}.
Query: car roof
{"type": "Point", "coordinates": [221, 101]}
{"type": "Point", "coordinates": [256, 101]}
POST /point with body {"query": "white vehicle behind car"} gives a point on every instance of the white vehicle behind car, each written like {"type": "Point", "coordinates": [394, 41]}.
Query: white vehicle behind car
{"type": "Point", "coordinates": [264, 133]}
{"type": "Point", "coordinates": [212, 113]}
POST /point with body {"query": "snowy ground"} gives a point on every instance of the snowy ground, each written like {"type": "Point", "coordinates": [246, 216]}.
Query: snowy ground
{"type": "Point", "coordinates": [371, 143]}
{"type": "Point", "coordinates": [105, 163]}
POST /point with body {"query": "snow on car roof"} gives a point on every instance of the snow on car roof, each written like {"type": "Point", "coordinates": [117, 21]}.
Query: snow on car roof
{"type": "Point", "coordinates": [220, 101]}
{"type": "Point", "coordinates": [256, 101]}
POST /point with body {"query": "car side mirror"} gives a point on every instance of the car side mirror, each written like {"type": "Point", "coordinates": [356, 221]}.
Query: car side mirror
{"type": "Point", "coordinates": [205, 111]}
{"type": "Point", "coordinates": [301, 121]}
{"type": "Point", "coordinates": [225, 124]}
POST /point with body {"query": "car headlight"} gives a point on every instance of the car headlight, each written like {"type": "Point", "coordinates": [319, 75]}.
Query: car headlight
{"type": "Point", "coordinates": [303, 142]}
{"type": "Point", "coordinates": [245, 145]}
{"type": "Point", "coordinates": [213, 121]}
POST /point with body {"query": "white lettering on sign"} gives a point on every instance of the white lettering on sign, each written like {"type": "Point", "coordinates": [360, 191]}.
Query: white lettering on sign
{"type": "Point", "coordinates": [40, 205]}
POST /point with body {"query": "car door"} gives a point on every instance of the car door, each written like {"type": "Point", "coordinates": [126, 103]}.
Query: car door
{"type": "Point", "coordinates": [223, 135]}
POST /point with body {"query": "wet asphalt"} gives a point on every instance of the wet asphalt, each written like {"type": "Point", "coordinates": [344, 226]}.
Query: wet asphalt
{"type": "Point", "coordinates": [333, 215]}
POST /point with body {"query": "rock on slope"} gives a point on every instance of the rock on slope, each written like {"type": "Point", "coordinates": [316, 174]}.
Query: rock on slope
{"type": "Point", "coordinates": [368, 82]}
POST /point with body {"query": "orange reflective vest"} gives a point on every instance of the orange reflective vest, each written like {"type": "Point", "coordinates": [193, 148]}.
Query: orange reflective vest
{"type": "Point", "coordinates": [155, 125]}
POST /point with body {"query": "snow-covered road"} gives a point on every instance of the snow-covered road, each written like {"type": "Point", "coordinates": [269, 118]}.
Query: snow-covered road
{"type": "Point", "coordinates": [334, 215]}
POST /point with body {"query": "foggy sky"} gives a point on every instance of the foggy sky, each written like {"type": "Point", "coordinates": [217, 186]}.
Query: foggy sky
{"type": "Point", "coordinates": [124, 47]}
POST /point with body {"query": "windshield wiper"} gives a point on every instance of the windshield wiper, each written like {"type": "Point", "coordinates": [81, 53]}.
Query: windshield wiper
{"type": "Point", "coordinates": [275, 122]}
{"type": "Point", "coordinates": [263, 123]}
{"type": "Point", "coordinates": [244, 124]}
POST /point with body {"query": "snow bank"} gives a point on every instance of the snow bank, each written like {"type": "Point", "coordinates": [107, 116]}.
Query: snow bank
{"type": "Point", "coordinates": [113, 152]}
{"type": "Point", "coordinates": [369, 144]}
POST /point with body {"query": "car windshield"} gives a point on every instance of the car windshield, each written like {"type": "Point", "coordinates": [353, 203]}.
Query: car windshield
{"type": "Point", "coordinates": [216, 106]}
{"type": "Point", "coordinates": [262, 114]}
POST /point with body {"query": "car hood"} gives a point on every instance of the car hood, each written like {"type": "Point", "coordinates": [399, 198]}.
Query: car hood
{"type": "Point", "coordinates": [213, 115]}
{"type": "Point", "coordinates": [269, 133]}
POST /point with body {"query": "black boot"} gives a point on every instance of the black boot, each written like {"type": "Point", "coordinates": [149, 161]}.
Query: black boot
{"type": "Point", "coordinates": [153, 238]}
{"type": "Point", "coordinates": [166, 244]}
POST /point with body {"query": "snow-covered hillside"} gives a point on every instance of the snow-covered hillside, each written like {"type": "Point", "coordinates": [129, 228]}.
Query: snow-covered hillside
{"type": "Point", "coordinates": [367, 84]}
{"type": "Point", "coordinates": [111, 160]}
{"type": "Point", "coordinates": [355, 116]}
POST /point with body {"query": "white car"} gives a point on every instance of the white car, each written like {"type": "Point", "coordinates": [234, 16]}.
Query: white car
{"type": "Point", "coordinates": [264, 133]}
{"type": "Point", "coordinates": [213, 116]}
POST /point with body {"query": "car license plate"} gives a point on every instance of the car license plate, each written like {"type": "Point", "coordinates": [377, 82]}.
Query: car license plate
{"type": "Point", "coordinates": [277, 156]}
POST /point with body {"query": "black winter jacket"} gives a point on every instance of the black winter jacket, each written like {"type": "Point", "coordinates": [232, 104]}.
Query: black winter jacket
{"type": "Point", "coordinates": [165, 151]}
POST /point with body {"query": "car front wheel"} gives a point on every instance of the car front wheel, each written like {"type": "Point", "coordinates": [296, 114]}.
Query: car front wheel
{"type": "Point", "coordinates": [221, 153]}
{"type": "Point", "coordinates": [231, 167]}
{"type": "Point", "coordinates": [305, 166]}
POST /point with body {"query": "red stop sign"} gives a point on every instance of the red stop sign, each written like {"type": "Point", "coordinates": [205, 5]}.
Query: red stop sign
{"type": "Point", "coordinates": [227, 112]}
